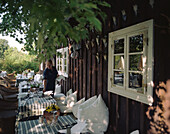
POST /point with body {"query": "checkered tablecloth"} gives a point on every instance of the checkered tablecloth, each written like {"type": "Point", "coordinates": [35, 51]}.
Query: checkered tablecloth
{"type": "Point", "coordinates": [34, 127]}
{"type": "Point", "coordinates": [34, 106]}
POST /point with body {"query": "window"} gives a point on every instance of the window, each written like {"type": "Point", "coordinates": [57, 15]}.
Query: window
{"type": "Point", "coordinates": [62, 61]}
{"type": "Point", "coordinates": [130, 69]}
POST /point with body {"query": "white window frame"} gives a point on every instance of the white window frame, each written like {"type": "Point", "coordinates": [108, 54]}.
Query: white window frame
{"type": "Point", "coordinates": [62, 71]}
{"type": "Point", "coordinates": [146, 28]}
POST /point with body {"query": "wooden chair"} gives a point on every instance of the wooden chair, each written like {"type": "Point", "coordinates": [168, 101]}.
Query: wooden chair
{"type": "Point", "coordinates": [8, 100]}
{"type": "Point", "coordinates": [8, 90]}
{"type": "Point", "coordinates": [11, 82]}
{"type": "Point", "coordinates": [8, 105]}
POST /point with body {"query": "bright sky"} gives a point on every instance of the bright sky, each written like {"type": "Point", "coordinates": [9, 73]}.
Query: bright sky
{"type": "Point", "coordinates": [12, 42]}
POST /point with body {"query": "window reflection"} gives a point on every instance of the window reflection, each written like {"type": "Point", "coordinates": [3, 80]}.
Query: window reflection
{"type": "Point", "coordinates": [118, 78]}
{"type": "Point", "coordinates": [136, 43]}
{"type": "Point", "coordinates": [119, 46]}
{"type": "Point", "coordinates": [119, 62]}
{"type": "Point", "coordinates": [135, 81]}
{"type": "Point", "coordinates": [136, 62]}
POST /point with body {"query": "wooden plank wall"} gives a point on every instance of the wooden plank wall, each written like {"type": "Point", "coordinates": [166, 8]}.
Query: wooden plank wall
{"type": "Point", "coordinates": [89, 77]}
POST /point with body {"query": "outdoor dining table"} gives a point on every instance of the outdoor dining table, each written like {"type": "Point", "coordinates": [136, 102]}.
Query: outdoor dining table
{"type": "Point", "coordinates": [34, 127]}
{"type": "Point", "coordinates": [33, 105]}
{"type": "Point", "coordinates": [18, 80]}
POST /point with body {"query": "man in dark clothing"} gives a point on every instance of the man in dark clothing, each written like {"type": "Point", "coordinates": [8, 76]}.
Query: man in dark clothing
{"type": "Point", "coordinates": [49, 76]}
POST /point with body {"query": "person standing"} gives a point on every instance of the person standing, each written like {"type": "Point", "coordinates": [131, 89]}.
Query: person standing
{"type": "Point", "coordinates": [49, 76]}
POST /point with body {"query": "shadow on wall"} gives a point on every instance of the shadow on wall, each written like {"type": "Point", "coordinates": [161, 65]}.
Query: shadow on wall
{"type": "Point", "coordinates": [159, 113]}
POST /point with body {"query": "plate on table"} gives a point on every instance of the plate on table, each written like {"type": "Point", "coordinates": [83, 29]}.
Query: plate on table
{"type": "Point", "coordinates": [48, 92]}
{"type": "Point", "coordinates": [22, 95]}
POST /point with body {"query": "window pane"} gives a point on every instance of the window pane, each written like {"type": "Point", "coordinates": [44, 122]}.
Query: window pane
{"type": "Point", "coordinates": [65, 54]}
{"type": "Point", "coordinates": [118, 78]}
{"type": "Point", "coordinates": [136, 43]}
{"type": "Point", "coordinates": [136, 62]}
{"type": "Point", "coordinates": [58, 68]}
{"type": "Point", "coordinates": [119, 62]}
{"type": "Point", "coordinates": [65, 62]}
{"type": "Point", "coordinates": [58, 61]}
{"type": "Point", "coordinates": [65, 68]}
{"type": "Point", "coordinates": [119, 46]}
{"type": "Point", "coordinates": [135, 81]}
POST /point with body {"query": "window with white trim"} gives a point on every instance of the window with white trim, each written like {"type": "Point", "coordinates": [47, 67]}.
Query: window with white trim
{"type": "Point", "coordinates": [62, 61]}
{"type": "Point", "coordinates": [130, 69]}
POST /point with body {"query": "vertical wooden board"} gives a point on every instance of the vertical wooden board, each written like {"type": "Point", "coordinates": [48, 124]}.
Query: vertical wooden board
{"type": "Point", "coordinates": [84, 72]}
{"type": "Point", "coordinates": [77, 75]}
{"type": "Point", "coordinates": [100, 71]}
{"type": "Point", "coordinates": [105, 76]}
{"type": "Point", "coordinates": [142, 118]}
{"type": "Point", "coordinates": [113, 108]}
{"type": "Point", "coordinates": [90, 74]}
{"type": "Point", "coordinates": [74, 74]}
{"type": "Point", "coordinates": [62, 86]}
{"type": "Point", "coordinates": [134, 115]}
{"type": "Point", "coordinates": [71, 73]}
{"type": "Point", "coordinates": [68, 83]}
{"type": "Point", "coordinates": [87, 74]}
{"type": "Point", "coordinates": [116, 113]}
{"type": "Point", "coordinates": [94, 68]}
{"type": "Point", "coordinates": [127, 115]}
{"type": "Point", "coordinates": [80, 78]}
{"type": "Point", "coordinates": [123, 116]}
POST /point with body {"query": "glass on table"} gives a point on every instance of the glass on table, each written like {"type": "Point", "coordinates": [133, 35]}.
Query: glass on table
{"type": "Point", "coordinates": [41, 119]}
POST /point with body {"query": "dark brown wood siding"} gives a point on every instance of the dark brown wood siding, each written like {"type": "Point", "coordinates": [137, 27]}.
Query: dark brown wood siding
{"type": "Point", "coordinates": [88, 76]}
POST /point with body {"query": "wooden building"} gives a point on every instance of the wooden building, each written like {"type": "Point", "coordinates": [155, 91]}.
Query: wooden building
{"type": "Point", "coordinates": [88, 72]}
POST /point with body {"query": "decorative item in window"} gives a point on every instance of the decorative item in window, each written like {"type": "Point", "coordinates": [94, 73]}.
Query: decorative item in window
{"type": "Point", "coordinates": [105, 40]}
{"type": "Point", "coordinates": [75, 50]}
{"type": "Point", "coordinates": [135, 8]}
{"type": "Point", "coordinates": [114, 20]}
{"type": "Point", "coordinates": [97, 40]}
{"type": "Point", "coordinates": [124, 15]}
{"type": "Point", "coordinates": [151, 2]}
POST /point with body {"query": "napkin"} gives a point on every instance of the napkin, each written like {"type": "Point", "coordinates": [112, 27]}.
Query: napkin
{"type": "Point", "coordinates": [48, 92]}
{"type": "Point", "coordinates": [60, 77]}
{"type": "Point", "coordinates": [22, 95]}
{"type": "Point", "coordinates": [76, 129]}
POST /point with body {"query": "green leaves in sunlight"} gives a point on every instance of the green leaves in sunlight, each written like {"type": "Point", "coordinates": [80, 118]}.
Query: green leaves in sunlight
{"type": "Point", "coordinates": [17, 61]}
{"type": "Point", "coordinates": [47, 24]}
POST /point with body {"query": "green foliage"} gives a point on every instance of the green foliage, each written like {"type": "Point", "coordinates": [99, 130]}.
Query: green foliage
{"type": "Point", "coordinates": [3, 46]}
{"type": "Point", "coordinates": [18, 61]}
{"type": "Point", "coordinates": [49, 23]}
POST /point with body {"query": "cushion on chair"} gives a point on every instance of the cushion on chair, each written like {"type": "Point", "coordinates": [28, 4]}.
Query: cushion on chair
{"type": "Point", "coordinates": [83, 106]}
{"type": "Point", "coordinates": [65, 109]}
{"type": "Point", "coordinates": [71, 99]}
{"type": "Point", "coordinates": [69, 92]}
{"type": "Point", "coordinates": [61, 103]}
{"type": "Point", "coordinates": [57, 89]}
{"type": "Point", "coordinates": [59, 96]}
{"type": "Point", "coordinates": [135, 132]}
{"type": "Point", "coordinates": [101, 116]}
{"type": "Point", "coordinates": [67, 104]}
{"type": "Point", "coordinates": [76, 106]}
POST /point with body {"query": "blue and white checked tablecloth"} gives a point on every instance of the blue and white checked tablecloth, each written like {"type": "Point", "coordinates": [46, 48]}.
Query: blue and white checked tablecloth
{"type": "Point", "coordinates": [34, 106]}
{"type": "Point", "coordinates": [34, 127]}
